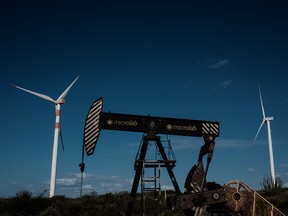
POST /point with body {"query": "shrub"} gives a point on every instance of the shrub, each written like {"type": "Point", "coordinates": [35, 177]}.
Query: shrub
{"type": "Point", "coordinates": [270, 188]}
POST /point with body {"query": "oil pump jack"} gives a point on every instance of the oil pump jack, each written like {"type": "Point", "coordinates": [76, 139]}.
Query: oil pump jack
{"type": "Point", "coordinates": [200, 197]}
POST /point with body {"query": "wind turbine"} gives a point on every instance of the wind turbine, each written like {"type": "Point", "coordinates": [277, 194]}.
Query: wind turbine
{"type": "Point", "coordinates": [267, 120]}
{"type": "Point", "coordinates": [57, 103]}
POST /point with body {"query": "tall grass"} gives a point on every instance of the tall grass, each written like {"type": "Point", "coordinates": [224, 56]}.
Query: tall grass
{"type": "Point", "coordinates": [269, 188]}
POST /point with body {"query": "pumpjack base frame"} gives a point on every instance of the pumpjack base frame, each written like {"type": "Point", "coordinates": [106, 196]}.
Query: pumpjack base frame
{"type": "Point", "coordinates": [140, 163]}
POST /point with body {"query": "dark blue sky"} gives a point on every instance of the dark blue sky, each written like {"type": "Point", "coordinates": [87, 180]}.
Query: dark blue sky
{"type": "Point", "coordinates": [195, 60]}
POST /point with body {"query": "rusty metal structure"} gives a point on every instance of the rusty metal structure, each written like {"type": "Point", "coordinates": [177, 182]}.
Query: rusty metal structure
{"type": "Point", "coordinates": [234, 198]}
{"type": "Point", "coordinates": [200, 197]}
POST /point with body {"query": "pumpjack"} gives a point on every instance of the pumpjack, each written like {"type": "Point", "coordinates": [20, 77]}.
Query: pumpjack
{"type": "Point", "coordinates": [200, 197]}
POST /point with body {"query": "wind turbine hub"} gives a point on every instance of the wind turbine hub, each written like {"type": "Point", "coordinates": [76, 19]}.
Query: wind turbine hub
{"type": "Point", "coordinates": [60, 101]}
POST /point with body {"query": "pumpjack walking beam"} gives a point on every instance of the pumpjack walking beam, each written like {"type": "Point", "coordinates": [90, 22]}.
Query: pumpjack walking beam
{"type": "Point", "coordinates": [97, 120]}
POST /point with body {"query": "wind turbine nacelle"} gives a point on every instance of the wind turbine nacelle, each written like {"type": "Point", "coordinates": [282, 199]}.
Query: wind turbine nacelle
{"type": "Point", "coordinates": [269, 118]}
{"type": "Point", "coordinates": [60, 101]}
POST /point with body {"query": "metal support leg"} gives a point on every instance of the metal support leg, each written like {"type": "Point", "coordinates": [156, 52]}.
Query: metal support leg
{"type": "Point", "coordinates": [139, 167]}
{"type": "Point", "coordinates": [168, 166]}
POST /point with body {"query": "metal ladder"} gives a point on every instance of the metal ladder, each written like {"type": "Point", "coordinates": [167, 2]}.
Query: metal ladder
{"type": "Point", "coordinates": [151, 188]}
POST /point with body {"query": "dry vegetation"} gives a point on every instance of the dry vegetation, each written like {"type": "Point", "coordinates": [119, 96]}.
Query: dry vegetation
{"type": "Point", "coordinates": [24, 204]}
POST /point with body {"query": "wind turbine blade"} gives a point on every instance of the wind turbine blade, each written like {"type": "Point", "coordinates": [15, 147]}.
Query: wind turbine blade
{"type": "Point", "coordinates": [45, 97]}
{"type": "Point", "coordinates": [259, 129]}
{"type": "Point", "coordinates": [62, 96]}
{"type": "Point", "coordinates": [262, 106]}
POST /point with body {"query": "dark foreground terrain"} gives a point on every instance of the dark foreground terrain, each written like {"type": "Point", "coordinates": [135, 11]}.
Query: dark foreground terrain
{"type": "Point", "coordinates": [24, 204]}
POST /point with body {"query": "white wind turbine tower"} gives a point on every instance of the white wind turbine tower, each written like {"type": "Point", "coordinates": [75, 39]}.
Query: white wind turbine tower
{"type": "Point", "coordinates": [267, 120]}
{"type": "Point", "coordinates": [57, 103]}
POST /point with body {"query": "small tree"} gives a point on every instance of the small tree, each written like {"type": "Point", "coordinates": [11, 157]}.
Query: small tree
{"type": "Point", "coordinates": [269, 187]}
